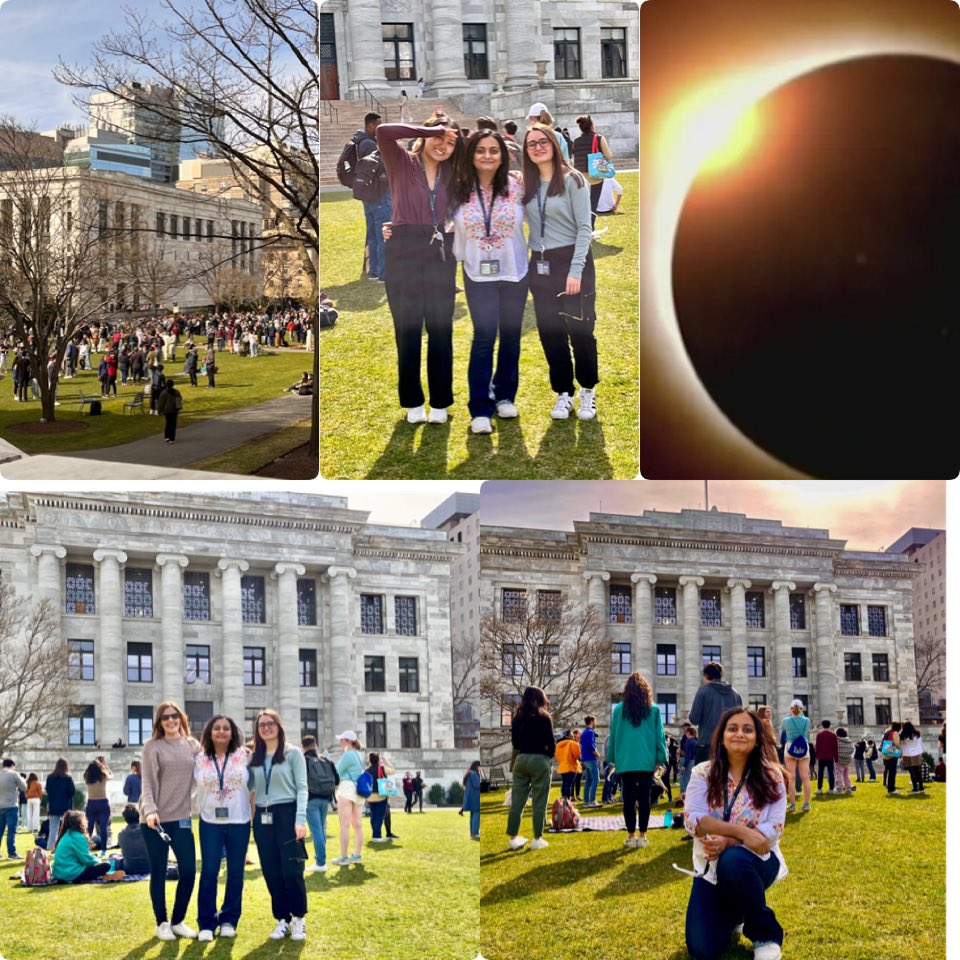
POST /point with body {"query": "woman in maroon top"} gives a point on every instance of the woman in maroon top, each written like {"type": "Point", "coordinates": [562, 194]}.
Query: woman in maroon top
{"type": "Point", "coordinates": [420, 269]}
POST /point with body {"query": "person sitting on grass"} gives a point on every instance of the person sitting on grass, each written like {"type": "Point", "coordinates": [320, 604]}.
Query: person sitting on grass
{"type": "Point", "coordinates": [735, 808]}
{"type": "Point", "coordinates": [304, 386]}
{"type": "Point", "coordinates": [74, 863]}
{"type": "Point", "coordinates": [133, 847]}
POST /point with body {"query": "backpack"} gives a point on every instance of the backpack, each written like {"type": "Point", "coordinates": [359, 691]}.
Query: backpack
{"type": "Point", "coordinates": [36, 868]}
{"type": "Point", "coordinates": [365, 784]}
{"type": "Point", "coordinates": [370, 181]}
{"type": "Point", "coordinates": [347, 164]}
{"type": "Point", "coordinates": [320, 779]}
{"type": "Point", "coordinates": [179, 400]}
{"type": "Point", "coordinates": [563, 815]}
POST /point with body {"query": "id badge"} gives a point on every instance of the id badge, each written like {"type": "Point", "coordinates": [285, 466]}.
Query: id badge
{"type": "Point", "coordinates": [266, 818]}
{"type": "Point", "coordinates": [222, 813]}
{"type": "Point", "coordinates": [543, 268]}
{"type": "Point", "coordinates": [489, 268]}
{"type": "Point", "coordinates": [185, 824]}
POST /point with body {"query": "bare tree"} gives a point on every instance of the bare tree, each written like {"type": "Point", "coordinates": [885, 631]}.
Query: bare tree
{"type": "Point", "coordinates": [227, 284]}
{"type": "Point", "coordinates": [930, 653]}
{"type": "Point", "coordinates": [465, 657]}
{"type": "Point", "coordinates": [561, 648]}
{"type": "Point", "coordinates": [35, 689]}
{"type": "Point", "coordinates": [149, 271]}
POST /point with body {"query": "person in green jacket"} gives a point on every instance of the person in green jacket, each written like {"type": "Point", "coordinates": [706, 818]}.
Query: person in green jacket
{"type": "Point", "coordinates": [636, 747]}
{"type": "Point", "coordinates": [73, 861]}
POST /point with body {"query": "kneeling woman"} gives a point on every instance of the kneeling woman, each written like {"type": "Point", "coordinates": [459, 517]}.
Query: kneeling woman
{"type": "Point", "coordinates": [735, 807]}
{"type": "Point", "coordinates": [278, 781]}
{"type": "Point", "coordinates": [562, 275]}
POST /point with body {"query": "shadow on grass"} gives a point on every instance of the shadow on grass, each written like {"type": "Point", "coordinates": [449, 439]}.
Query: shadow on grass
{"type": "Point", "coordinates": [400, 459]}
{"type": "Point", "coordinates": [168, 950]}
{"type": "Point", "coordinates": [601, 250]}
{"type": "Point", "coordinates": [355, 875]}
{"type": "Point", "coordinates": [271, 949]}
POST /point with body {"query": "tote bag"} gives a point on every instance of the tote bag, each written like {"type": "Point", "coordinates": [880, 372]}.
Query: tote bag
{"type": "Point", "coordinates": [597, 164]}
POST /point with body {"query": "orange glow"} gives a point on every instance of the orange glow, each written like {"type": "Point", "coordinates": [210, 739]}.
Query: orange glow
{"type": "Point", "coordinates": [726, 143]}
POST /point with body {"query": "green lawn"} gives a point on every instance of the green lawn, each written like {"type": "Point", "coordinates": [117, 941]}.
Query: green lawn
{"type": "Point", "coordinates": [867, 879]}
{"type": "Point", "coordinates": [363, 432]}
{"type": "Point", "coordinates": [241, 382]}
{"type": "Point", "coordinates": [250, 457]}
{"type": "Point", "coordinates": [414, 897]}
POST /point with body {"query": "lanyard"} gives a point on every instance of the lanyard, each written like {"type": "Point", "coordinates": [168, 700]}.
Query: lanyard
{"type": "Point", "coordinates": [220, 772]}
{"type": "Point", "coordinates": [542, 208]}
{"type": "Point", "coordinates": [267, 773]}
{"type": "Point", "coordinates": [432, 194]}
{"type": "Point", "coordinates": [728, 803]}
{"type": "Point", "coordinates": [487, 216]}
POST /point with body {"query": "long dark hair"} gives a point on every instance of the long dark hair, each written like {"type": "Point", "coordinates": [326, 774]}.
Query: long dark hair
{"type": "Point", "coordinates": [61, 768]}
{"type": "Point", "coordinates": [908, 731]}
{"type": "Point", "coordinates": [451, 169]}
{"type": "Point", "coordinates": [96, 771]}
{"type": "Point", "coordinates": [73, 820]}
{"type": "Point", "coordinates": [533, 703]}
{"type": "Point", "coordinates": [531, 172]}
{"type": "Point", "coordinates": [637, 699]}
{"type": "Point", "coordinates": [473, 766]}
{"type": "Point", "coordinates": [763, 777]}
{"type": "Point", "coordinates": [206, 738]}
{"type": "Point", "coordinates": [259, 744]}
{"type": "Point", "coordinates": [468, 182]}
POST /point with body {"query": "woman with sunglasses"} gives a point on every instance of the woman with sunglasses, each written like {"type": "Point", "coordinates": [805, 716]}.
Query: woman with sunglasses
{"type": "Point", "coordinates": [562, 275]}
{"type": "Point", "coordinates": [278, 785]}
{"type": "Point", "coordinates": [420, 269]}
{"type": "Point", "coordinates": [168, 760]}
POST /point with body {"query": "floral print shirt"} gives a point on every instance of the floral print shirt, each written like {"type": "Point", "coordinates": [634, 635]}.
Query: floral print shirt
{"type": "Point", "coordinates": [506, 244]}
{"type": "Point", "coordinates": [235, 796]}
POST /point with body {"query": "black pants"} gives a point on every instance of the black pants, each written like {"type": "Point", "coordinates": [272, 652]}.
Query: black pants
{"type": "Point", "coordinates": [566, 784]}
{"type": "Point", "coordinates": [916, 777]}
{"type": "Point", "coordinates": [277, 846]}
{"type": "Point", "coordinates": [824, 765]}
{"type": "Point", "coordinates": [92, 872]}
{"type": "Point", "coordinates": [595, 190]}
{"type": "Point", "coordinates": [185, 850]}
{"type": "Point", "coordinates": [170, 427]}
{"type": "Point", "coordinates": [420, 290]}
{"type": "Point", "coordinates": [408, 805]}
{"type": "Point", "coordinates": [560, 334]}
{"type": "Point", "coordinates": [420, 799]}
{"type": "Point", "coordinates": [890, 773]}
{"type": "Point", "coordinates": [636, 795]}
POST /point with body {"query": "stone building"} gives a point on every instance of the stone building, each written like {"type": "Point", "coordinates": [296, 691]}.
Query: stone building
{"type": "Point", "coordinates": [788, 612]}
{"type": "Point", "coordinates": [235, 602]}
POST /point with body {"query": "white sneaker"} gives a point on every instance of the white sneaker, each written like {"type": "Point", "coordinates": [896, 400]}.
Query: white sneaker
{"type": "Point", "coordinates": [378, 840]}
{"type": "Point", "coordinates": [588, 404]}
{"type": "Point", "coordinates": [182, 930]}
{"type": "Point", "coordinates": [205, 936]}
{"type": "Point", "coordinates": [437, 415]}
{"type": "Point", "coordinates": [164, 932]}
{"type": "Point", "coordinates": [517, 842]}
{"type": "Point", "coordinates": [506, 410]}
{"type": "Point", "coordinates": [766, 951]}
{"type": "Point", "coordinates": [280, 930]}
{"type": "Point", "coordinates": [539, 844]}
{"type": "Point", "coordinates": [298, 928]}
{"type": "Point", "coordinates": [316, 868]}
{"type": "Point", "coordinates": [562, 406]}
{"type": "Point", "coordinates": [417, 414]}
{"type": "Point", "coordinates": [481, 425]}
{"type": "Point", "coordinates": [228, 930]}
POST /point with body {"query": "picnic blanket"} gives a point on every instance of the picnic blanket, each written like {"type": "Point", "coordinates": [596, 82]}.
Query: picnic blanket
{"type": "Point", "coordinates": [609, 823]}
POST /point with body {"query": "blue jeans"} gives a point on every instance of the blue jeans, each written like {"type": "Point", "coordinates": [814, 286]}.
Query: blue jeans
{"type": "Point", "coordinates": [317, 808]}
{"type": "Point", "coordinates": [8, 821]}
{"type": "Point", "coordinates": [739, 896]}
{"type": "Point", "coordinates": [685, 771]}
{"type": "Point", "coordinates": [495, 306]}
{"type": "Point", "coordinates": [214, 837]}
{"type": "Point", "coordinates": [54, 819]}
{"type": "Point", "coordinates": [377, 213]}
{"type": "Point", "coordinates": [378, 812]}
{"type": "Point", "coordinates": [591, 778]}
{"type": "Point", "coordinates": [474, 823]}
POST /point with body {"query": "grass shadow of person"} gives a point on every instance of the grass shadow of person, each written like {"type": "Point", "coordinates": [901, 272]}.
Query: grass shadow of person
{"type": "Point", "coordinates": [601, 250]}
{"type": "Point", "coordinates": [500, 455]}
{"type": "Point", "coordinates": [401, 459]}
{"type": "Point", "coordinates": [576, 449]}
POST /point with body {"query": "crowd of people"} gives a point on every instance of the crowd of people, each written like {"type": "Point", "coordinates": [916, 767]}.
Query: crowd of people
{"type": "Point", "coordinates": [520, 217]}
{"type": "Point", "coordinates": [737, 782]}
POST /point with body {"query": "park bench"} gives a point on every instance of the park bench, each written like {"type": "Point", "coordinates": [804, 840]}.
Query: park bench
{"type": "Point", "coordinates": [498, 778]}
{"type": "Point", "coordinates": [135, 403]}
{"type": "Point", "coordinates": [83, 400]}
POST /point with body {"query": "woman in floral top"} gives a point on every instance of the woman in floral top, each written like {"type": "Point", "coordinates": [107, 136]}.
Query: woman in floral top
{"type": "Point", "coordinates": [735, 807]}
{"type": "Point", "coordinates": [488, 239]}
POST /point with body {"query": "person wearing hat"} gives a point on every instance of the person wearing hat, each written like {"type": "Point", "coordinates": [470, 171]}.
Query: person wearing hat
{"type": "Point", "coordinates": [349, 802]}
{"type": "Point", "coordinates": [538, 113]}
{"type": "Point", "coordinates": [794, 731]}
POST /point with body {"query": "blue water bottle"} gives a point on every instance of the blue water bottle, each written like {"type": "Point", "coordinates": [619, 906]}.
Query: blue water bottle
{"type": "Point", "coordinates": [668, 819]}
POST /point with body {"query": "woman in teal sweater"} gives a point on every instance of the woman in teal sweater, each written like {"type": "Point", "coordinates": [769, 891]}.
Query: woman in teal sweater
{"type": "Point", "coordinates": [636, 747]}
{"type": "Point", "coordinates": [349, 802]}
{"type": "Point", "coordinates": [74, 863]}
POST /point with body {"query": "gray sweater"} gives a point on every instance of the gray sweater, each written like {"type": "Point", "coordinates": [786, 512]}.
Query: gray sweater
{"type": "Point", "coordinates": [568, 221]}
{"type": "Point", "coordinates": [288, 782]}
{"type": "Point", "coordinates": [10, 783]}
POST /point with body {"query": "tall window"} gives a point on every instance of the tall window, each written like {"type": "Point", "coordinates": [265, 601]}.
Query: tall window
{"type": "Point", "coordinates": [877, 621]}
{"type": "Point", "coordinates": [710, 608]}
{"type": "Point", "coordinates": [102, 218]}
{"type": "Point", "coordinates": [405, 614]}
{"type": "Point", "coordinates": [548, 605]}
{"type": "Point", "coordinates": [621, 603]}
{"type": "Point", "coordinates": [409, 675]}
{"type": "Point", "coordinates": [139, 663]}
{"type": "Point", "coordinates": [805, 700]}
{"type": "Point", "coordinates": [667, 704]}
{"type": "Point", "coordinates": [550, 658]}
{"type": "Point", "coordinates": [198, 663]}
{"type": "Point", "coordinates": [254, 659]}
{"type": "Point", "coordinates": [200, 713]}
{"type": "Point", "coordinates": [308, 668]}
{"type": "Point", "coordinates": [757, 700]}
{"type": "Point", "coordinates": [173, 225]}
{"type": "Point", "coordinates": [80, 593]}
{"type": "Point", "coordinates": [708, 652]}
{"type": "Point", "coordinates": [475, 51]}
{"type": "Point", "coordinates": [509, 707]}
{"type": "Point", "coordinates": [139, 725]}
{"type": "Point", "coordinates": [881, 668]}
{"type": "Point", "coordinates": [81, 726]}
{"type": "Point", "coordinates": [185, 229]}
{"type": "Point", "coordinates": [513, 660]}
{"type": "Point", "coordinates": [376, 730]}
{"type": "Point", "coordinates": [882, 707]}
{"type": "Point", "coordinates": [374, 675]}
{"type": "Point", "coordinates": [138, 592]}
{"type": "Point", "coordinates": [80, 659]}
{"type": "Point", "coordinates": [209, 231]}
{"type": "Point", "coordinates": [196, 596]}
{"type": "Point", "coordinates": [849, 620]}
{"type": "Point", "coordinates": [855, 711]}
{"type": "Point", "coordinates": [309, 722]}
{"type": "Point", "coordinates": [371, 613]}
{"type": "Point", "coordinates": [753, 602]}
{"type": "Point", "coordinates": [666, 660]}
{"type": "Point", "coordinates": [756, 665]}
{"type": "Point", "coordinates": [252, 600]}
{"type": "Point", "coordinates": [799, 656]}
{"type": "Point", "coordinates": [410, 730]}
{"type": "Point", "coordinates": [798, 612]}
{"type": "Point", "coordinates": [851, 666]}
{"type": "Point", "coordinates": [613, 52]}
{"type": "Point", "coordinates": [566, 53]}
{"type": "Point", "coordinates": [307, 603]}
{"type": "Point", "coordinates": [514, 605]}
{"type": "Point", "coordinates": [398, 59]}
{"type": "Point", "coordinates": [161, 224]}
{"type": "Point", "coordinates": [665, 605]}
{"type": "Point", "coordinates": [621, 657]}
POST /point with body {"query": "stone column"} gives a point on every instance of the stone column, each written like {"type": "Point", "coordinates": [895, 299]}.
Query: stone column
{"type": "Point", "coordinates": [286, 649]}
{"type": "Point", "coordinates": [738, 637]}
{"type": "Point", "coordinates": [342, 714]}
{"type": "Point", "coordinates": [49, 579]}
{"type": "Point", "coordinates": [110, 653]}
{"type": "Point", "coordinates": [171, 654]}
{"type": "Point", "coordinates": [366, 47]}
{"type": "Point", "coordinates": [783, 656]}
{"type": "Point", "coordinates": [447, 76]}
{"type": "Point", "coordinates": [232, 653]}
{"type": "Point", "coordinates": [643, 658]}
{"type": "Point", "coordinates": [523, 46]}
{"type": "Point", "coordinates": [828, 692]}
{"type": "Point", "coordinates": [691, 658]}
{"type": "Point", "coordinates": [597, 594]}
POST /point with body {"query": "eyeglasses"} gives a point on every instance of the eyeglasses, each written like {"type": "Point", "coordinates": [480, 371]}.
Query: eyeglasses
{"type": "Point", "coordinates": [266, 724]}
{"type": "Point", "coordinates": [166, 717]}
{"type": "Point", "coordinates": [540, 144]}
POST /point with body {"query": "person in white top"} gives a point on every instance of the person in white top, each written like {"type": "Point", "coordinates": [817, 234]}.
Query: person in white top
{"type": "Point", "coordinates": [405, 115]}
{"type": "Point", "coordinates": [610, 196]}
{"type": "Point", "coordinates": [911, 744]}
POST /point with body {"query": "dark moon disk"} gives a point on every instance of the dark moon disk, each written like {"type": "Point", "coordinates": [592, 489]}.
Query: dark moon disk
{"type": "Point", "coordinates": [817, 279]}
